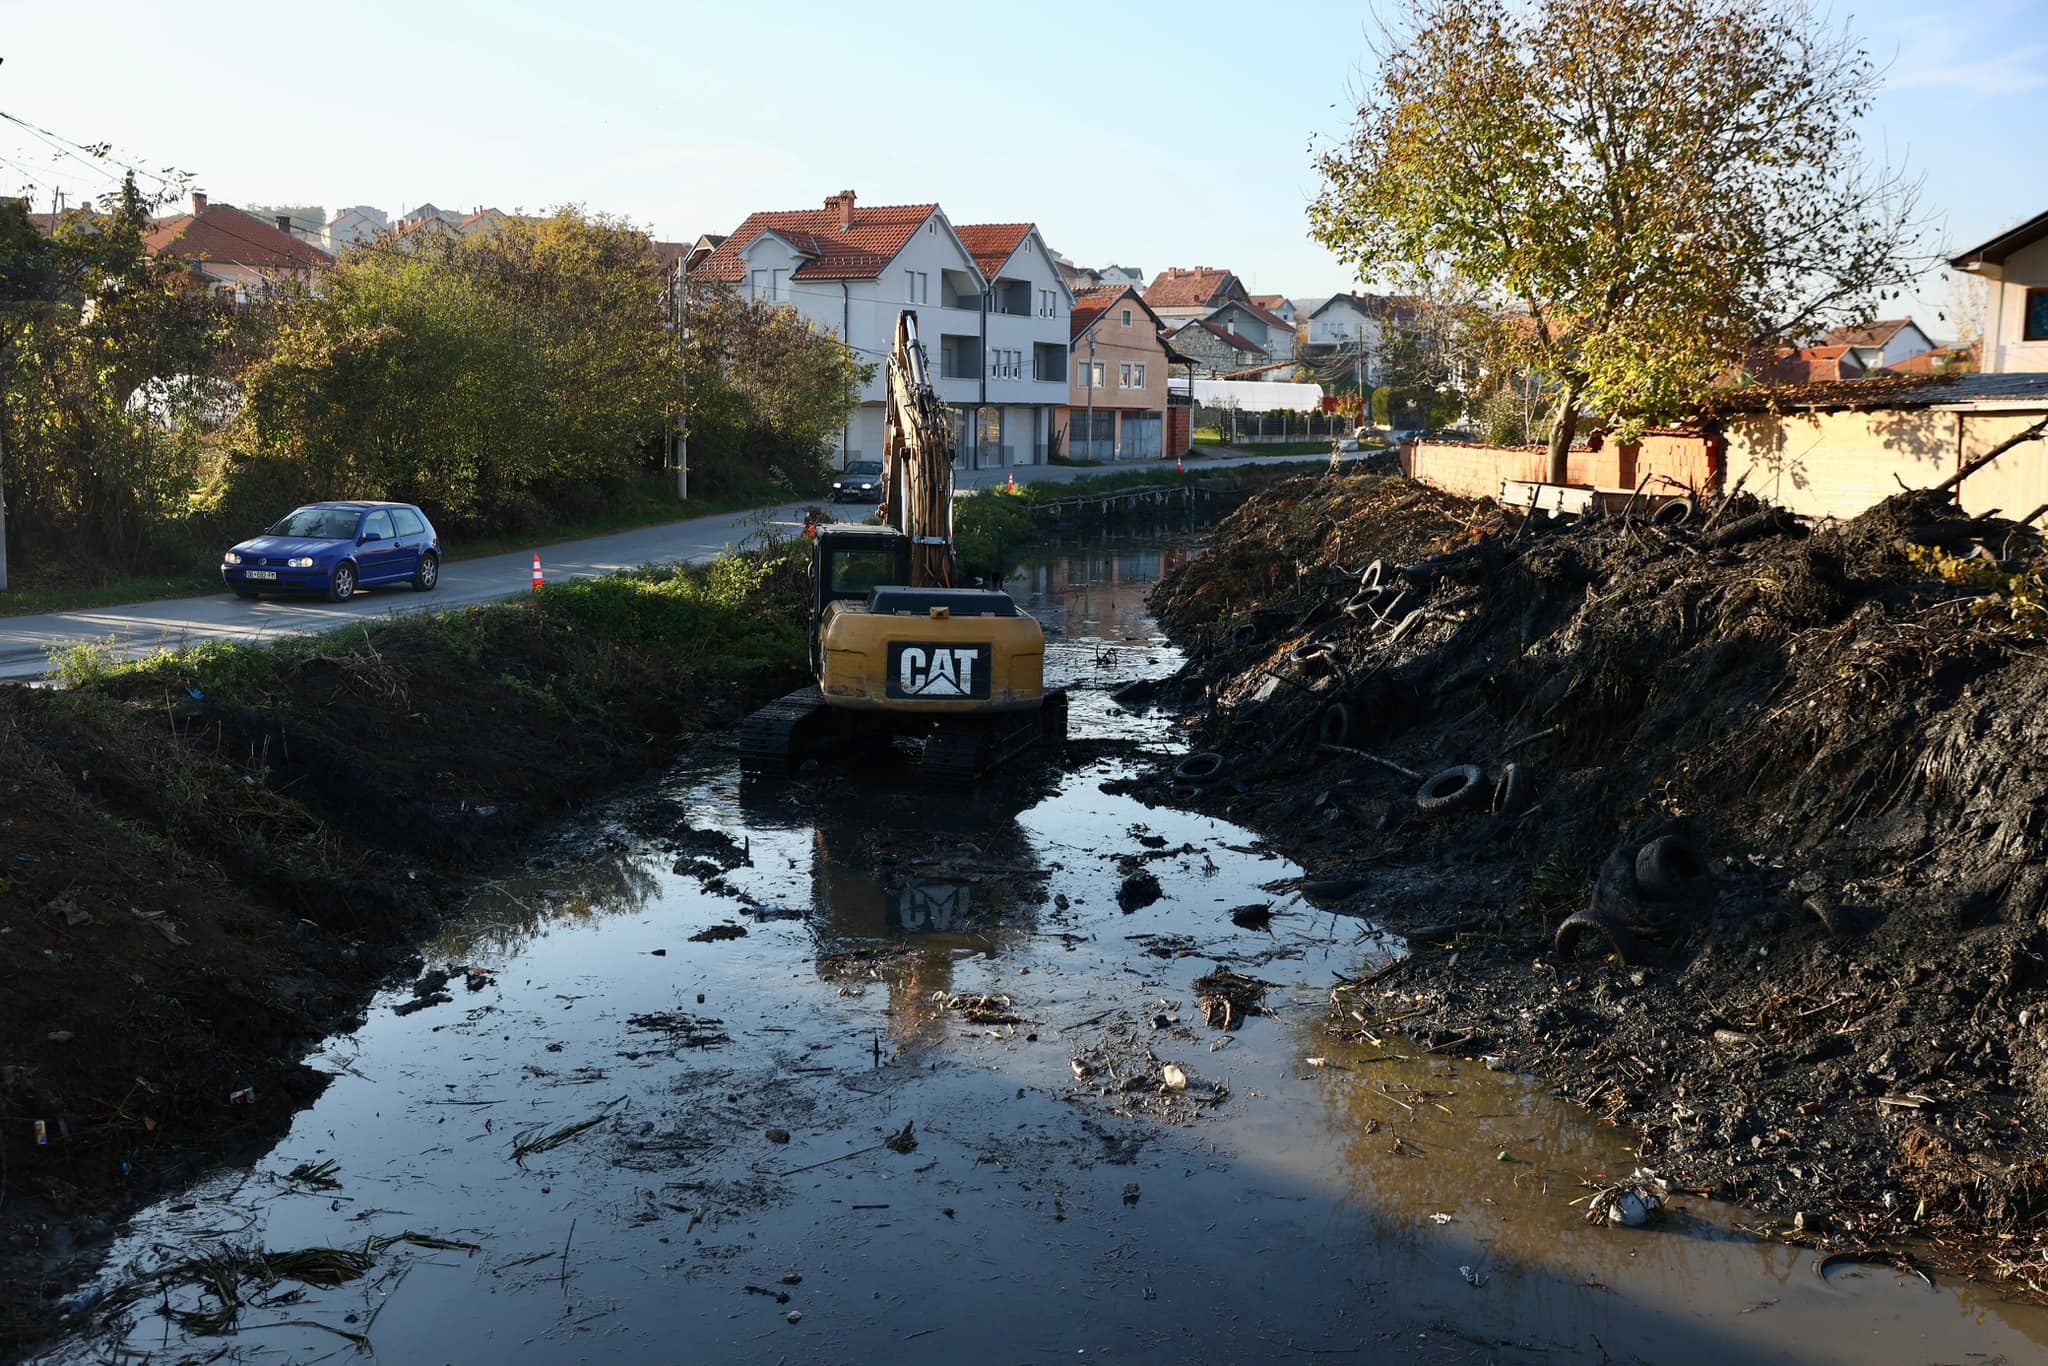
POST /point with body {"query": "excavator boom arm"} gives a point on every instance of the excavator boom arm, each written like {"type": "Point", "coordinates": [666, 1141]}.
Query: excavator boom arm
{"type": "Point", "coordinates": [917, 450]}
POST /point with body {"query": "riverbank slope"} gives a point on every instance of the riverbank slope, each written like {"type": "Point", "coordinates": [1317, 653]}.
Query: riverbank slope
{"type": "Point", "coordinates": [209, 859]}
{"type": "Point", "coordinates": [1765, 882]}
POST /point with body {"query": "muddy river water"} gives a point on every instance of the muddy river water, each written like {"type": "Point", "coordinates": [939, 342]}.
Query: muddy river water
{"type": "Point", "coordinates": [790, 1075]}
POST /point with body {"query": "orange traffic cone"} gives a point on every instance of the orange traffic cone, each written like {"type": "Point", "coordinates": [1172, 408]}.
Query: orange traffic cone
{"type": "Point", "coordinates": [810, 524]}
{"type": "Point", "coordinates": [537, 579]}
{"type": "Point", "coordinates": [1013, 483]}
{"type": "Point", "coordinates": [1178, 466]}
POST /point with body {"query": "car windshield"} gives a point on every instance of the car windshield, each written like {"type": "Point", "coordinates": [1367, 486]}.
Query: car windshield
{"type": "Point", "coordinates": [864, 468]}
{"type": "Point", "coordinates": [318, 524]}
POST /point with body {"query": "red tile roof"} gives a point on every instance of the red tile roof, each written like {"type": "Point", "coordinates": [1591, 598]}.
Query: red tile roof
{"type": "Point", "coordinates": [223, 233]}
{"type": "Point", "coordinates": [1875, 334]}
{"type": "Point", "coordinates": [992, 244]}
{"type": "Point", "coordinates": [1241, 343]}
{"type": "Point", "coordinates": [860, 251]}
{"type": "Point", "coordinates": [1196, 288]}
{"type": "Point", "coordinates": [1941, 360]}
{"type": "Point", "coordinates": [1809, 365]}
{"type": "Point", "coordinates": [1272, 303]}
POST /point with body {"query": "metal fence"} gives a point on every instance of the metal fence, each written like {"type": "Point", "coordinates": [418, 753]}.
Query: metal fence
{"type": "Point", "coordinates": [1241, 428]}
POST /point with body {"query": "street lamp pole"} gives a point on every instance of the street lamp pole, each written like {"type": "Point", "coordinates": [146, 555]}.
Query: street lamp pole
{"type": "Point", "coordinates": [1091, 393]}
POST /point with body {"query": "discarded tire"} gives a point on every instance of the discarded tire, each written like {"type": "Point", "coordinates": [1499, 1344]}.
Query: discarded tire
{"type": "Point", "coordinates": [1514, 790]}
{"type": "Point", "coordinates": [1668, 868]}
{"type": "Point", "coordinates": [1313, 657]}
{"type": "Point", "coordinates": [1602, 928]}
{"type": "Point", "coordinates": [1451, 788]}
{"type": "Point", "coordinates": [1677, 512]}
{"type": "Point", "coordinates": [1199, 768]}
{"type": "Point", "coordinates": [1183, 792]}
{"type": "Point", "coordinates": [1339, 724]}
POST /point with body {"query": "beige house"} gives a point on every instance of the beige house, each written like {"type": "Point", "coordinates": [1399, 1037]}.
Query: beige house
{"type": "Point", "coordinates": [1118, 398]}
{"type": "Point", "coordinates": [2016, 326]}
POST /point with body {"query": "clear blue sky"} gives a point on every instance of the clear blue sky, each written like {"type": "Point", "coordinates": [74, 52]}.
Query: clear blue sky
{"type": "Point", "coordinates": [1145, 134]}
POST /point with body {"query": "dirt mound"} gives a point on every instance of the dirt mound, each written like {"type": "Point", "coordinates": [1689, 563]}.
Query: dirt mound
{"type": "Point", "coordinates": [1789, 781]}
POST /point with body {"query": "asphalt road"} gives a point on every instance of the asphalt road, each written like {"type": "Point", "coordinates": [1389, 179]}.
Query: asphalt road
{"type": "Point", "coordinates": [139, 628]}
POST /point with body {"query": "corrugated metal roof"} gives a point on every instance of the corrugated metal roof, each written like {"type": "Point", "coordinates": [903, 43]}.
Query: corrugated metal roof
{"type": "Point", "coordinates": [1887, 391]}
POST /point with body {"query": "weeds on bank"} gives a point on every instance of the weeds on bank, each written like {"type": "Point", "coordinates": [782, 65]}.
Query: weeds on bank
{"type": "Point", "coordinates": [2017, 598]}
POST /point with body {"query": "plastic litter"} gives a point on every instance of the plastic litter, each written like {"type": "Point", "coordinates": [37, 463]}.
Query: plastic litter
{"type": "Point", "coordinates": [1630, 1203]}
{"type": "Point", "coordinates": [245, 1096]}
{"type": "Point", "coordinates": [42, 1134]}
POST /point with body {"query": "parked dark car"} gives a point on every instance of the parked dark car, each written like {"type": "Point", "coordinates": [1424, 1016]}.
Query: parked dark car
{"type": "Point", "coordinates": [336, 548]}
{"type": "Point", "coordinates": [860, 482]}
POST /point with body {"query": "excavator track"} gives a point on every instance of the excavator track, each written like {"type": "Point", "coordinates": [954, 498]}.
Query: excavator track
{"type": "Point", "coordinates": [781, 735]}
{"type": "Point", "coordinates": [963, 751]}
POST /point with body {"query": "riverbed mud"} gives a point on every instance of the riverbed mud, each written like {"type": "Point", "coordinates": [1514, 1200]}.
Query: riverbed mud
{"type": "Point", "coordinates": [1729, 828]}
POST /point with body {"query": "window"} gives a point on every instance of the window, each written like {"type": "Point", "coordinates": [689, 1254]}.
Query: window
{"type": "Point", "coordinates": [1137, 374]}
{"type": "Point", "coordinates": [2034, 316]}
{"type": "Point", "coordinates": [766, 285]}
{"type": "Point", "coordinates": [1123, 375]}
{"type": "Point", "coordinates": [1005, 364]}
{"type": "Point", "coordinates": [409, 523]}
{"type": "Point", "coordinates": [917, 286]}
{"type": "Point", "coordinates": [1127, 317]}
{"type": "Point", "coordinates": [1048, 303]}
{"type": "Point", "coordinates": [1089, 374]}
{"type": "Point", "coordinates": [377, 524]}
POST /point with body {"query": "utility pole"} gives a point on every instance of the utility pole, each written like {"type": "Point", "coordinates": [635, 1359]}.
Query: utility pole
{"type": "Point", "coordinates": [1091, 392]}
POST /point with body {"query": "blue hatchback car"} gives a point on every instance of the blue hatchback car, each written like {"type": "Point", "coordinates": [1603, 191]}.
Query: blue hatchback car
{"type": "Point", "coordinates": [336, 548]}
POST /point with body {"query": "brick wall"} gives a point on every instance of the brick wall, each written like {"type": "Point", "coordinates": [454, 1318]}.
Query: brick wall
{"type": "Point", "coordinates": [1478, 471]}
{"type": "Point", "coordinates": [1180, 431]}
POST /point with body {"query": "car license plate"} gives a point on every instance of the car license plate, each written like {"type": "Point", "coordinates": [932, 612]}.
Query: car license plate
{"type": "Point", "coordinates": [260, 574]}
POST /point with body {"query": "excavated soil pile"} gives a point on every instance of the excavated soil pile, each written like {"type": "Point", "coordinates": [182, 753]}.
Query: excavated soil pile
{"type": "Point", "coordinates": [1733, 831]}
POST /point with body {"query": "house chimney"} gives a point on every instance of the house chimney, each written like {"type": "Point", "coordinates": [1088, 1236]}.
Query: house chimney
{"type": "Point", "coordinates": [198, 202]}
{"type": "Point", "coordinates": [284, 224]}
{"type": "Point", "coordinates": [842, 204]}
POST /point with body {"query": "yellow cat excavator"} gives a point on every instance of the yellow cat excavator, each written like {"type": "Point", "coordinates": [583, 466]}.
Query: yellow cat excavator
{"type": "Point", "coordinates": [897, 649]}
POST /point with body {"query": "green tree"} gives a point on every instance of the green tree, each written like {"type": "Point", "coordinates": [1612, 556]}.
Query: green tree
{"type": "Point", "coordinates": [1658, 185]}
{"type": "Point", "coordinates": [769, 394]}
{"type": "Point", "coordinates": [113, 373]}
{"type": "Point", "coordinates": [502, 380]}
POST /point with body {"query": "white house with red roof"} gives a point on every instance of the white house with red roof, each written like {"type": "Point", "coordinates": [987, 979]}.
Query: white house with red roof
{"type": "Point", "coordinates": [237, 254]}
{"type": "Point", "coordinates": [1880, 345]}
{"type": "Point", "coordinates": [991, 305]}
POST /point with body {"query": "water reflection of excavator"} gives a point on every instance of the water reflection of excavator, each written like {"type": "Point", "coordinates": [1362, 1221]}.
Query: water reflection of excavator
{"type": "Point", "coordinates": [904, 897]}
{"type": "Point", "coordinates": [897, 648]}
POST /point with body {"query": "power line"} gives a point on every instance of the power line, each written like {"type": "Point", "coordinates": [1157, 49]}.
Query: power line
{"type": "Point", "coordinates": [92, 158]}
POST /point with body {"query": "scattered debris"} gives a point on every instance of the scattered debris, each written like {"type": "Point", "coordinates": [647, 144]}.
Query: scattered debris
{"type": "Point", "coordinates": [1139, 889]}
{"type": "Point", "coordinates": [1630, 1203]}
{"type": "Point", "coordinates": [1227, 997]}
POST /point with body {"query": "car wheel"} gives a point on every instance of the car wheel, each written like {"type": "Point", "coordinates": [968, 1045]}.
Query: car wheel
{"type": "Point", "coordinates": [428, 574]}
{"type": "Point", "coordinates": [343, 585]}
